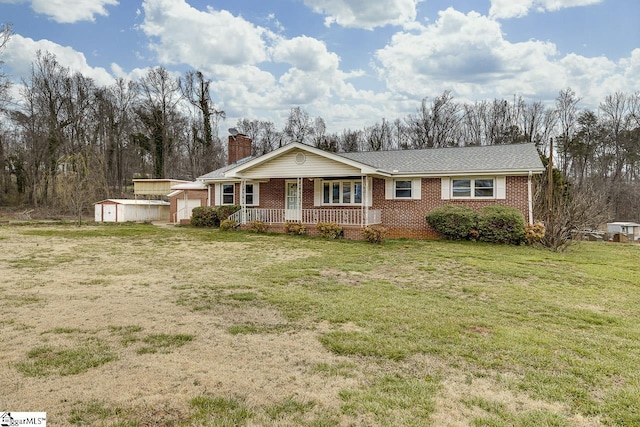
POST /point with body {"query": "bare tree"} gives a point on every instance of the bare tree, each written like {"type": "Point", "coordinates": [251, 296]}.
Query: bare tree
{"type": "Point", "coordinates": [350, 141]}
{"type": "Point", "coordinates": [114, 121]}
{"type": "Point", "coordinates": [269, 137]}
{"type": "Point", "coordinates": [252, 129]}
{"type": "Point", "coordinates": [82, 183]}
{"type": "Point", "coordinates": [45, 117]}
{"type": "Point", "coordinates": [206, 149]}
{"type": "Point", "coordinates": [5, 34]}
{"type": "Point", "coordinates": [436, 124]}
{"type": "Point", "coordinates": [159, 96]}
{"type": "Point", "coordinates": [566, 108]}
{"type": "Point", "coordinates": [533, 123]}
{"type": "Point", "coordinates": [318, 132]}
{"type": "Point", "coordinates": [5, 178]}
{"type": "Point", "coordinates": [298, 126]}
{"type": "Point", "coordinates": [574, 209]}
{"type": "Point", "coordinates": [378, 137]}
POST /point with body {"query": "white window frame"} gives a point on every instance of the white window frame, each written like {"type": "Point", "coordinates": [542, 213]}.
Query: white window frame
{"type": "Point", "coordinates": [391, 189]}
{"type": "Point", "coordinates": [473, 188]}
{"type": "Point", "coordinates": [223, 194]}
{"type": "Point", "coordinates": [396, 189]}
{"type": "Point", "coordinates": [255, 193]}
{"type": "Point", "coordinates": [341, 184]}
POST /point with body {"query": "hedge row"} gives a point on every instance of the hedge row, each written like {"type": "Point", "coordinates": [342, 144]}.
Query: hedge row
{"type": "Point", "coordinates": [495, 224]}
{"type": "Point", "coordinates": [211, 216]}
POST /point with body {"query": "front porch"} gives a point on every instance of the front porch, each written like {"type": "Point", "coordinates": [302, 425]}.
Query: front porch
{"type": "Point", "coordinates": [343, 217]}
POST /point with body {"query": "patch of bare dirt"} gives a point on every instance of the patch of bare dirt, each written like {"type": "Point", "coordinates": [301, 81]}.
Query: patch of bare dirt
{"type": "Point", "coordinates": [101, 285]}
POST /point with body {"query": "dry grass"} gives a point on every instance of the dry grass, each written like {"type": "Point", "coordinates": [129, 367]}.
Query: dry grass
{"type": "Point", "coordinates": [193, 327]}
{"type": "Point", "coordinates": [58, 292]}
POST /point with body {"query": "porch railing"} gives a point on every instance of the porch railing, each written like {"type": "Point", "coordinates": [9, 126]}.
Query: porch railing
{"type": "Point", "coordinates": [309, 216]}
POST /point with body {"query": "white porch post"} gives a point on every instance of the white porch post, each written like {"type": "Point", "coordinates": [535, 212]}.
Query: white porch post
{"type": "Point", "coordinates": [530, 198]}
{"type": "Point", "coordinates": [365, 200]}
{"type": "Point", "coordinates": [186, 204]}
{"type": "Point", "coordinates": [243, 204]}
{"type": "Point", "coordinates": [300, 181]}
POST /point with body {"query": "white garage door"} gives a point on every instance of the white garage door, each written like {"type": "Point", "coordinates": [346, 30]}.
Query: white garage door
{"type": "Point", "coordinates": [185, 207]}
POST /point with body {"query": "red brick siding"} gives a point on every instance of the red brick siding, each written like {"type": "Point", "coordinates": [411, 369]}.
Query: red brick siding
{"type": "Point", "coordinates": [238, 148]}
{"type": "Point", "coordinates": [272, 194]}
{"type": "Point", "coordinates": [402, 218]}
{"type": "Point", "coordinates": [406, 218]}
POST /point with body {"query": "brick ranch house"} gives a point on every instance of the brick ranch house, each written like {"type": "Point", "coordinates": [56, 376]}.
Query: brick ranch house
{"type": "Point", "coordinates": [395, 189]}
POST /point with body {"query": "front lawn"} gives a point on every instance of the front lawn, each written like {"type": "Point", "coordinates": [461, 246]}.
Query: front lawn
{"type": "Point", "coordinates": [205, 327]}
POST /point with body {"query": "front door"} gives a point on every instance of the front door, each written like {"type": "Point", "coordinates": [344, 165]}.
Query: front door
{"type": "Point", "coordinates": [292, 210]}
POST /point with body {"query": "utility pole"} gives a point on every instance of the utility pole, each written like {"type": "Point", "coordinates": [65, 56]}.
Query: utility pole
{"type": "Point", "coordinates": [550, 179]}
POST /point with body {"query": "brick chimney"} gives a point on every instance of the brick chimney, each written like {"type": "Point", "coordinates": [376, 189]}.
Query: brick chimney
{"type": "Point", "coordinates": [239, 147]}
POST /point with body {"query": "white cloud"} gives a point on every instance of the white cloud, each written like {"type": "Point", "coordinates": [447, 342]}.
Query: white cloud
{"type": "Point", "coordinates": [519, 8]}
{"type": "Point", "coordinates": [306, 54]}
{"type": "Point", "coordinates": [469, 55]}
{"type": "Point", "coordinates": [365, 14]}
{"type": "Point", "coordinates": [68, 11]}
{"type": "Point", "coordinates": [185, 35]}
{"type": "Point", "coordinates": [456, 48]}
{"type": "Point", "coordinates": [21, 52]}
{"type": "Point", "coordinates": [254, 71]}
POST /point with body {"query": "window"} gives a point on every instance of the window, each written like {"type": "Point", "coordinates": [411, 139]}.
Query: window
{"type": "Point", "coordinates": [402, 189]}
{"type": "Point", "coordinates": [248, 194]}
{"type": "Point", "coordinates": [228, 194]}
{"type": "Point", "coordinates": [473, 188]}
{"type": "Point", "coordinates": [341, 192]}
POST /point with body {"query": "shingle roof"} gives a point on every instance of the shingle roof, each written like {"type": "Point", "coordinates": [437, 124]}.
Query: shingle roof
{"type": "Point", "coordinates": [490, 158]}
{"type": "Point", "coordinates": [135, 202]}
{"type": "Point", "coordinates": [219, 173]}
{"type": "Point", "coordinates": [433, 161]}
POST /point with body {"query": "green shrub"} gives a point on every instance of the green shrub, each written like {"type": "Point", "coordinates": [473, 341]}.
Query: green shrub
{"type": "Point", "coordinates": [329, 230]}
{"type": "Point", "coordinates": [226, 211]}
{"type": "Point", "coordinates": [228, 224]}
{"type": "Point", "coordinates": [294, 227]}
{"type": "Point", "coordinates": [534, 233]}
{"type": "Point", "coordinates": [374, 234]}
{"type": "Point", "coordinates": [501, 224]}
{"type": "Point", "coordinates": [211, 216]}
{"type": "Point", "coordinates": [205, 216]}
{"type": "Point", "coordinates": [258, 227]}
{"type": "Point", "coordinates": [453, 221]}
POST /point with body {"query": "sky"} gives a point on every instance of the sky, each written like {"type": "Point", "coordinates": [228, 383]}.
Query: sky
{"type": "Point", "coordinates": [351, 62]}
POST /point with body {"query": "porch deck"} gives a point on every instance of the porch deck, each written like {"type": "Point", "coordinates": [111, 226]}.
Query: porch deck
{"type": "Point", "coordinates": [357, 217]}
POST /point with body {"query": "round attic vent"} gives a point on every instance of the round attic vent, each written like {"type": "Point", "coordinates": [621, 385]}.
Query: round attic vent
{"type": "Point", "coordinates": [300, 158]}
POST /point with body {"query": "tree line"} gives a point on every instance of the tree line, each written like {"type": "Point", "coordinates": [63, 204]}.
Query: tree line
{"type": "Point", "coordinates": [596, 150]}
{"type": "Point", "coordinates": [66, 142]}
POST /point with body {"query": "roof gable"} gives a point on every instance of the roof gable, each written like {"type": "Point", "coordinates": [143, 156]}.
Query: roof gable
{"type": "Point", "coordinates": [297, 160]}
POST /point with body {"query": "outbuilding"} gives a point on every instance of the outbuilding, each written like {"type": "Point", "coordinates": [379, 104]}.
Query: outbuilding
{"type": "Point", "coordinates": [123, 210]}
{"type": "Point", "coordinates": [629, 229]}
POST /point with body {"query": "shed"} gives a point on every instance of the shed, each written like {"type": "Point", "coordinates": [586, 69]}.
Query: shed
{"type": "Point", "coordinates": [154, 187]}
{"type": "Point", "coordinates": [123, 210]}
{"type": "Point", "coordinates": [184, 198]}
{"type": "Point", "coordinates": [629, 229]}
